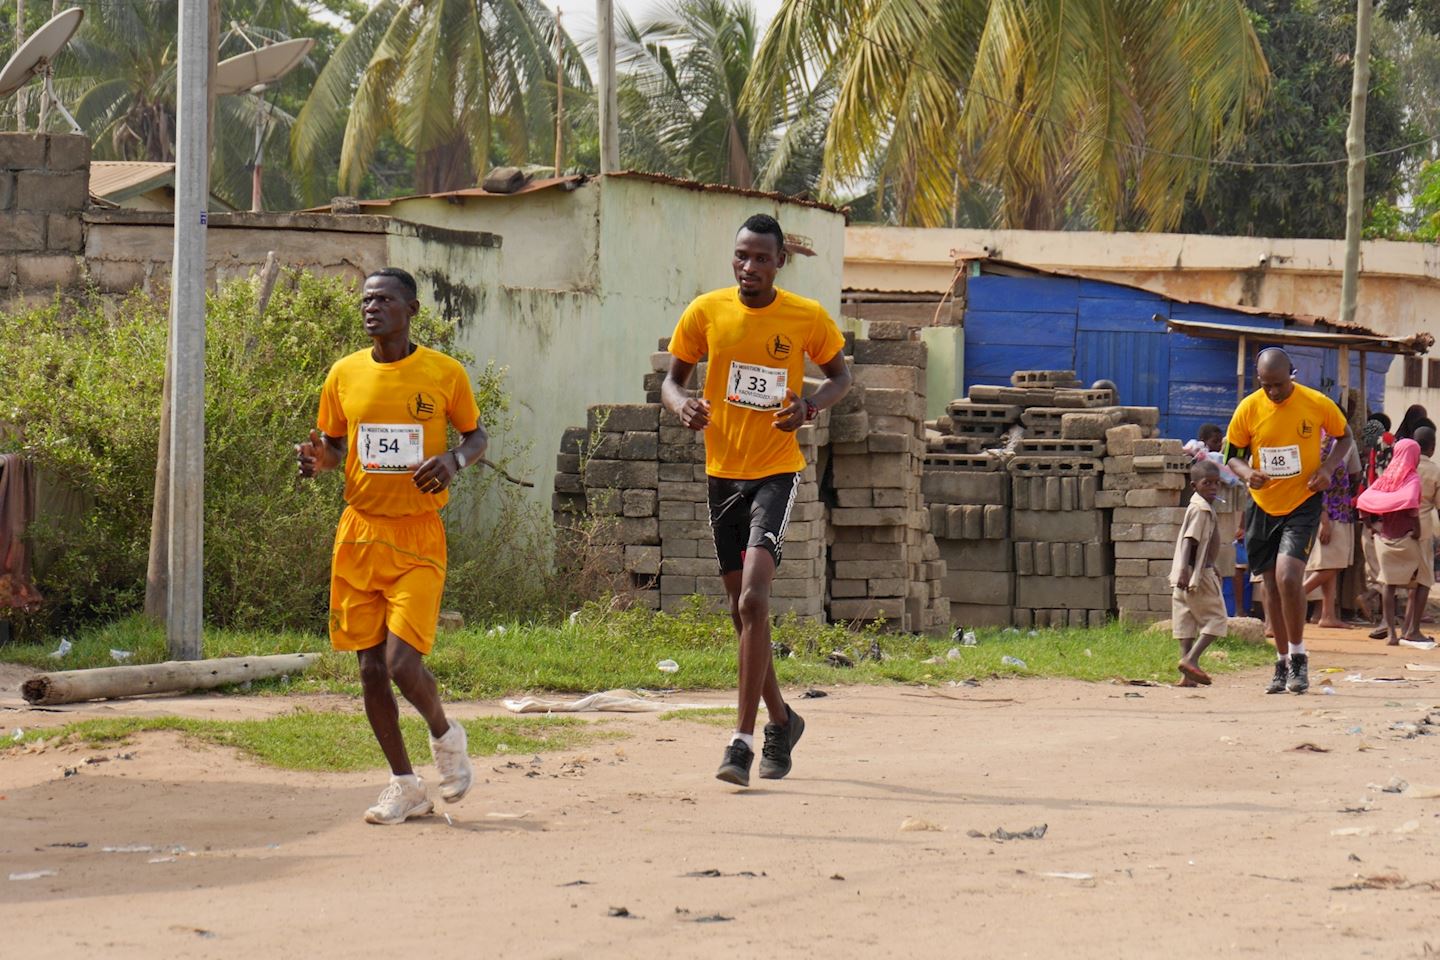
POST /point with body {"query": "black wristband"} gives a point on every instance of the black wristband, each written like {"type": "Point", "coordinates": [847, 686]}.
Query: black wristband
{"type": "Point", "coordinates": [811, 411]}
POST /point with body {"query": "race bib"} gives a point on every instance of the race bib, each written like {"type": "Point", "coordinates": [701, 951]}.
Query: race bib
{"type": "Point", "coordinates": [755, 387]}
{"type": "Point", "coordinates": [1280, 462]}
{"type": "Point", "coordinates": [390, 447]}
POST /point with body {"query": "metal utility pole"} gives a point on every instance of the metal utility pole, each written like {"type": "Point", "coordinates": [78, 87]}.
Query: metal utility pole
{"type": "Point", "coordinates": [1355, 149]}
{"type": "Point", "coordinates": [609, 104]}
{"type": "Point", "coordinates": [184, 617]}
{"type": "Point", "coordinates": [559, 94]}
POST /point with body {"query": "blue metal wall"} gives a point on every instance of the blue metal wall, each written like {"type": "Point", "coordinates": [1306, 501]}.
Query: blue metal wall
{"type": "Point", "coordinates": [1105, 331]}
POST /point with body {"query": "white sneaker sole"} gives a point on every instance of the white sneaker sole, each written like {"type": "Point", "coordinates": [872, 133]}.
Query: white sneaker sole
{"type": "Point", "coordinates": [454, 794]}
{"type": "Point", "coordinates": [419, 810]}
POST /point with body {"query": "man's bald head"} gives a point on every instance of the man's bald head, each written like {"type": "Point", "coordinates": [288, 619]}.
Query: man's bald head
{"type": "Point", "coordinates": [1276, 374]}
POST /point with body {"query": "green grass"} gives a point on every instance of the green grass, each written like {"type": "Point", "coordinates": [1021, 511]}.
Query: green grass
{"type": "Point", "coordinates": [604, 650]}
{"type": "Point", "coordinates": [710, 716]}
{"type": "Point", "coordinates": [306, 740]}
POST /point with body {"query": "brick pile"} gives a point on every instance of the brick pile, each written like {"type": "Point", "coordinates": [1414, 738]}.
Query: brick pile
{"type": "Point", "coordinates": [886, 563]}
{"type": "Point", "coordinates": [1145, 481]}
{"type": "Point", "coordinates": [969, 498]}
{"type": "Point", "coordinates": [634, 480]}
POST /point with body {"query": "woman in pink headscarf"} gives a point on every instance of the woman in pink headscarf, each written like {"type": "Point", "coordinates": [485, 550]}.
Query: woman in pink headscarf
{"type": "Point", "coordinates": [1391, 506]}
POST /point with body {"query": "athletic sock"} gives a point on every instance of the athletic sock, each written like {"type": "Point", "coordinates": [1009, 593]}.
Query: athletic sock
{"type": "Point", "coordinates": [746, 738]}
{"type": "Point", "coordinates": [1282, 657]}
{"type": "Point", "coordinates": [1298, 647]}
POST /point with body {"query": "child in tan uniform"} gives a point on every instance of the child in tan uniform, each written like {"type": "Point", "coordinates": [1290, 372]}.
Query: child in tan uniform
{"type": "Point", "coordinates": [1197, 608]}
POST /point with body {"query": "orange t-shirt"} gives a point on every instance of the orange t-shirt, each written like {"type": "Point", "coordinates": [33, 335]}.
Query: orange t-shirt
{"type": "Point", "coordinates": [755, 356]}
{"type": "Point", "coordinates": [393, 418]}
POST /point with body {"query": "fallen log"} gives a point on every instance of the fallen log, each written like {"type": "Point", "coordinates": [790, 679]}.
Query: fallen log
{"type": "Point", "coordinates": [174, 676]}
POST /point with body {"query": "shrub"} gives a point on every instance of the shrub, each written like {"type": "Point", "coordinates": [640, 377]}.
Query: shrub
{"type": "Point", "coordinates": [82, 394]}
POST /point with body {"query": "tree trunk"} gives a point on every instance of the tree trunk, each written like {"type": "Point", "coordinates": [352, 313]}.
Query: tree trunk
{"type": "Point", "coordinates": [446, 167]}
{"type": "Point", "coordinates": [175, 676]}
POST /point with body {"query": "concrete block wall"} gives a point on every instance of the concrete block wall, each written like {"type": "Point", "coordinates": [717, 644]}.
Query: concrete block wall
{"type": "Point", "coordinates": [44, 189]}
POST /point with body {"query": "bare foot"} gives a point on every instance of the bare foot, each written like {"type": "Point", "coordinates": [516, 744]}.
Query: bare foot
{"type": "Point", "coordinates": [1393, 642]}
{"type": "Point", "coordinates": [1187, 682]}
{"type": "Point", "coordinates": [1330, 623]}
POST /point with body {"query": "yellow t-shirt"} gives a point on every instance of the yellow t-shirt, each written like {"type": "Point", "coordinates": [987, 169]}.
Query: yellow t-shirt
{"type": "Point", "coordinates": [393, 418]}
{"type": "Point", "coordinates": [755, 356]}
{"type": "Point", "coordinates": [1284, 442]}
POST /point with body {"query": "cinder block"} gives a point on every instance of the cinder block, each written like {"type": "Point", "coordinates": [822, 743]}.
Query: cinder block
{"type": "Point", "coordinates": [639, 503]}
{"type": "Point", "coordinates": [1154, 463]}
{"type": "Point", "coordinates": [974, 586]}
{"type": "Point", "coordinates": [1164, 532]}
{"type": "Point", "coordinates": [1025, 557]}
{"type": "Point", "coordinates": [1126, 531]}
{"type": "Point", "coordinates": [1150, 515]}
{"type": "Point", "coordinates": [623, 417]}
{"type": "Point", "coordinates": [21, 231]}
{"type": "Point", "coordinates": [870, 569]}
{"type": "Point", "coordinates": [887, 377]}
{"type": "Point", "coordinates": [676, 473]}
{"type": "Point", "coordinates": [1060, 559]}
{"type": "Point", "coordinates": [868, 608]}
{"type": "Point", "coordinates": [22, 151]}
{"type": "Point", "coordinates": [1086, 426]}
{"type": "Point", "coordinates": [845, 589]}
{"type": "Point", "coordinates": [978, 555]}
{"type": "Point", "coordinates": [64, 233]}
{"type": "Point", "coordinates": [867, 550]}
{"type": "Point", "coordinates": [1125, 463]}
{"type": "Point", "coordinates": [47, 271]}
{"type": "Point", "coordinates": [690, 491]}
{"type": "Point", "coordinates": [1097, 560]}
{"type": "Point", "coordinates": [1146, 585]}
{"type": "Point", "coordinates": [1106, 499]}
{"type": "Point", "coordinates": [1147, 448]}
{"type": "Point", "coordinates": [639, 445]}
{"type": "Point", "coordinates": [1144, 550]}
{"type": "Point", "coordinates": [1075, 558]}
{"type": "Point", "coordinates": [997, 522]}
{"type": "Point", "coordinates": [974, 521]}
{"type": "Point", "coordinates": [893, 403]}
{"type": "Point", "coordinates": [979, 615]}
{"type": "Point", "coordinates": [39, 190]}
{"type": "Point", "coordinates": [963, 486]}
{"type": "Point", "coordinates": [862, 497]}
{"type": "Point", "coordinates": [887, 330]}
{"type": "Point", "coordinates": [867, 517]}
{"type": "Point", "coordinates": [642, 560]}
{"type": "Point", "coordinates": [1152, 498]}
{"type": "Point", "coordinates": [68, 151]}
{"type": "Point", "coordinates": [1120, 441]}
{"type": "Point", "coordinates": [1041, 559]}
{"type": "Point", "coordinates": [1081, 525]}
{"type": "Point", "coordinates": [1085, 593]}
{"type": "Point", "coordinates": [675, 510]}
{"type": "Point", "coordinates": [909, 353]}
{"type": "Point", "coordinates": [891, 496]}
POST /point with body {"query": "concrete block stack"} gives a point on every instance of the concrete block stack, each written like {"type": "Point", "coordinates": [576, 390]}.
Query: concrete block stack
{"type": "Point", "coordinates": [1036, 401]}
{"type": "Point", "coordinates": [1145, 481]}
{"type": "Point", "coordinates": [885, 563]}
{"type": "Point", "coordinates": [1063, 564]}
{"type": "Point", "coordinates": [969, 500]}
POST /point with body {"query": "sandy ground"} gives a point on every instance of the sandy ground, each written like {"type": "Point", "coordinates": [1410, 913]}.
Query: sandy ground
{"type": "Point", "coordinates": [1180, 823]}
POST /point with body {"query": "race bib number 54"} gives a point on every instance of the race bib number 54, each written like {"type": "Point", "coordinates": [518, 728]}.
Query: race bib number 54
{"type": "Point", "coordinates": [755, 387]}
{"type": "Point", "coordinates": [1279, 462]}
{"type": "Point", "coordinates": [390, 447]}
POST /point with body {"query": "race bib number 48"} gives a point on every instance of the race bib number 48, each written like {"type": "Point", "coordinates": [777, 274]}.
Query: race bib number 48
{"type": "Point", "coordinates": [390, 447]}
{"type": "Point", "coordinates": [1279, 462]}
{"type": "Point", "coordinates": [755, 387]}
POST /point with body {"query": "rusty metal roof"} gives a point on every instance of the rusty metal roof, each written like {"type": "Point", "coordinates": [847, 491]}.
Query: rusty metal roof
{"type": "Point", "coordinates": [534, 186]}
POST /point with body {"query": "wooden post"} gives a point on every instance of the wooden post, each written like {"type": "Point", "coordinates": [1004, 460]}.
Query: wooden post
{"type": "Point", "coordinates": [1240, 368]}
{"type": "Point", "coordinates": [176, 676]}
{"type": "Point", "coordinates": [1364, 391]}
{"type": "Point", "coordinates": [559, 95]}
{"type": "Point", "coordinates": [1344, 373]}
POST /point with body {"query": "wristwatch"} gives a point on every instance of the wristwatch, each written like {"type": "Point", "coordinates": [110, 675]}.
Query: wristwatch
{"type": "Point", "coordinates": [459, 459]}
{"type": "Point", "coordinates": [811, 411]}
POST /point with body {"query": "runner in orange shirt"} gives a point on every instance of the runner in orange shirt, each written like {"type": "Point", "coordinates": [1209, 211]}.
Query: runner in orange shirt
{"type": "Point", "coordinates": [756, 337]}
{"type": "Point", "coordinates": [383, 416]}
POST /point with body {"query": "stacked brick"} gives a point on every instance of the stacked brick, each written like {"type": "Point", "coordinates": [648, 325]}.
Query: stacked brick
{"type": "Point", "coordinates": [1145, 481]}
{"type": "Point", "coordinates": [886, 563]}
{"type": "Point", "coordinates": [969, 499]}
{"type": "Point", "coordinates": [1063, 568]}
{"type": "Point", "coordinates": [44, 189]}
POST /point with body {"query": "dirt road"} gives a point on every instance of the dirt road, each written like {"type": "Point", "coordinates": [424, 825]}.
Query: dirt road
{"type": "Point", "coordinates": [1179, 823]}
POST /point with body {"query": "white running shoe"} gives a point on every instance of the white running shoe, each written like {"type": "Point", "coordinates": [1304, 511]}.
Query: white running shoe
{"type": "Point", "coordinates": [1419, 644]}
{"type": "Point", "coordinates": [452, 758]}
{"type": "Point", "coordinates": [402, 799]}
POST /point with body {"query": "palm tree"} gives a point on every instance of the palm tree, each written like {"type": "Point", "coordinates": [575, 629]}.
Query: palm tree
{"type": "Point", "coordinates": [1106, 109]}
{"type": "Point", "coordinates": [454, 81]}
{"type": "Point", "coordinates": [685, 71]}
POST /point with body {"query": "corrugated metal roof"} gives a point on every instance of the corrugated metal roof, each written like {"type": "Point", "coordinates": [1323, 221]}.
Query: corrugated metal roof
{"type": "Point", "coordinates": [573, 181]}
{"type": "Point", "coordinates": [1372, 343]}
{"type": "Point", "coordinates": [117, 180]}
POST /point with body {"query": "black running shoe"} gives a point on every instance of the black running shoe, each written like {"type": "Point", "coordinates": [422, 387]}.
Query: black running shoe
{"type": "Point", "coordinates": [736, 768]}
{"type": "Point", "coordinates": [1299, 673]}
{"type": "Point", "coordinates": [779, 741]}
{"type": "Point", "coordinates": [1277, 682]}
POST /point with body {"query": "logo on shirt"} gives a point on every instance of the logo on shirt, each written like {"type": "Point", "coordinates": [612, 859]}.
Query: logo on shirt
{"type": "Point", "coordinates": [778, 347]}
{"type": "Point", "coordinates": [1306, 429]}
{"type": "Point", "coordinates": [422, 405]}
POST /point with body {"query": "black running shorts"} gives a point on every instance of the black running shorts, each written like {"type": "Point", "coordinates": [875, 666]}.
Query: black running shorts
{"type": "Point", "coordinates": [1266, 536]}
{"type": "Point", "coordinates": [750, 513]}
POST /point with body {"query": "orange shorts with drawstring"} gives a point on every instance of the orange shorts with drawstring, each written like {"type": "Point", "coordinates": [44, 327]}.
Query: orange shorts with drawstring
{"type": "Point", "coordinates": [386, 573]}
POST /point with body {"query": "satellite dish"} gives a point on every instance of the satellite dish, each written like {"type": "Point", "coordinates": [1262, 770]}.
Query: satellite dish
{"type": "Point", "coordinates": [252, 71]}
{"type": "Point", "coordinates": [35, 56]}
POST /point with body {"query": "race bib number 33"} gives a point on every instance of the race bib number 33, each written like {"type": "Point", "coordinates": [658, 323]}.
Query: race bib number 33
{"type": "Point", "coordinates": [1280, 462]}
{"type": "Point", "coordinates": [390, 447]}
{"type": "Point", "coordinates": [755, 387]}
